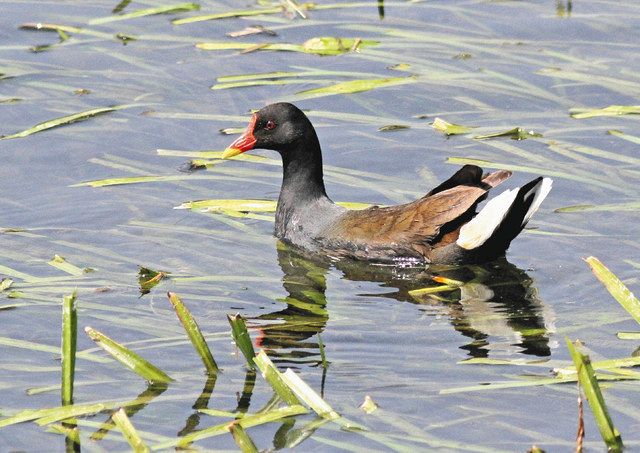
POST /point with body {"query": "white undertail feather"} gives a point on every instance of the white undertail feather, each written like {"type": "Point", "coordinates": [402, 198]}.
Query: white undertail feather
{"type": "Point", "coordinates": [541, 191]}
{"type": "Point", "coordinates": [482, 226]}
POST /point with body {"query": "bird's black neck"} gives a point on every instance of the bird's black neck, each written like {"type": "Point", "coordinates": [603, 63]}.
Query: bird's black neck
{"type": "Point", "coordinates": [302, 166]}
{"type": "Point", "coordinates": [302, 185]}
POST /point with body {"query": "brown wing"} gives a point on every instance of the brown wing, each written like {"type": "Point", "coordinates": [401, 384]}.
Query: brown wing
{"type": "Point", "coordinates": [413, 223]}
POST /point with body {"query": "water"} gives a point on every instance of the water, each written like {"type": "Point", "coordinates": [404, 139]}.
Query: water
{"type": "Point", "coordinates": [529, 64]}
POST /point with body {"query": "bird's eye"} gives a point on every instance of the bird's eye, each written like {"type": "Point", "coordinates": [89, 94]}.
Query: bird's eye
{"type": "Point", "coordinates": [270, 125]}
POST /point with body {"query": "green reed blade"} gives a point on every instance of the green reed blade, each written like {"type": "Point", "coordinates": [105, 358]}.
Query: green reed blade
{"type": "Point", "coordinates": [631, 206]}
{"type": "Point", "coordinates": [253, 83]}
{"type": "Point", "coordinates": [517, 133]}
{"type": "Point", "coordinates": [54, 414]}
{"type": "Point", "coordinates": [432, 290]}
{"type": "Point", "coordinates": [589, 385]}
{"type": "Point", "coordinates": [369, 406]}
{"type": "Point", "coordinates": [176, 8]}
{"type": "Point", "coordinates": [501, 385]}
{"type": "Point", "coordinates": [62, 121]}
{"type": "Point", "coordinates": [449, 128]}
{"type": "Point", "coordinates": [60, 262]}
{"type": "Point", "coordinates": [629, 335]}
{"type": "Point", "coordinates": [67, 29]}
{"type": "Point", "coordinates": [622, 135]}
{"type": "Point", "coordinates": [69, 342]}
{"type": "Point", "coordinates": [32, 346]}
{"type": "Point", "coordinates": [615, 287]}
{"type": "Point", "coordinates": [69, 430]}
{"type": "Point", "coordinates": [194, 333]}
{"type": "Point", "coordinates": [129, 432]}
{"type": "Point", "coordinates": [235, 205]}
{"type": "Point", "coordinates": [136, 180]}
{"type": "Point", "coordinates": [612, 110]}
{"type": "Point", "coordinates": [5, 283]}
{"type": "Point", "coordinates": [128, 358]}
{"type": "Point", "coordinates": [244, 442]}
{"type": "Point", "coordinates": [354, 86]}
{"type": "Point", "coordinates": [238, 13]}
{"type": "Point", "coordinates": [241, 337]}
{"type": "Point", "coordinates": [247, 205]}
{"type": "Point", "coordinates": [308, 395]}
{"type": "Point", "coordinates": [219, 413]}
{"type": "Point", "coordinates": [246, 422]}
{"type": "Point", "coordinates": [274, 378]}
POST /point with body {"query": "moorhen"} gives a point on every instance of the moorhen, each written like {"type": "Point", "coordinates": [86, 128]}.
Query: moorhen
{"type": "Point", "coordinates": [442, 227]}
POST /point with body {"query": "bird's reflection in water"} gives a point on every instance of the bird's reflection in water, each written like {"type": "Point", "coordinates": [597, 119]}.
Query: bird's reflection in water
{"type": "Point", "coordinates": [497, 307]}
{"type": "Point", "coordinates": [290, 335]}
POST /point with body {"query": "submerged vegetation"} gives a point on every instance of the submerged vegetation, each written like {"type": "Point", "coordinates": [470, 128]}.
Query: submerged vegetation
{"type": "Point", "coordinates": [109, 201]}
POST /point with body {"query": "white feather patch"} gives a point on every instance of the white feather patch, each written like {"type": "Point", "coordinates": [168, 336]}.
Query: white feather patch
{"type": "Point", "coordinates": [541, 192]}
{"type": "Point", "coordinates": [482, 226]}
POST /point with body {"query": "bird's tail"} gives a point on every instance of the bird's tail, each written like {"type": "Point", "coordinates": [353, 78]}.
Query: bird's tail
{"type": "Point", "coordinates": [489, 233]}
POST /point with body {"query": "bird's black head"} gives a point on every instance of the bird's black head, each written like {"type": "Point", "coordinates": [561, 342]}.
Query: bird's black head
{"type": "Point", "coordinates": [279, 127]}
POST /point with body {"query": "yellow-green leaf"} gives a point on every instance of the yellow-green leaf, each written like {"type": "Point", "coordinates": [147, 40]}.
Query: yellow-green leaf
{"type": "Point", "coordinates": [62, 121]}
{"type": "Point", "coordinates": [615, 287]}
{"type": "Point", "coordinates": [128, 358]}
{"type": "Point", "coordinates": [449, 128]}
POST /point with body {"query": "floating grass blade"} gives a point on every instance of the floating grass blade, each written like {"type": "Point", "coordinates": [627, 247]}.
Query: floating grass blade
{"type": "Point", "coordinates": [629, 335]}
{"type": "Point", "coordinates": [329, 45]}
{"type": "Point", "coordinates": [369, 406]}
{"type": "Point", "coordinates": [431, 290]}
{"type": "Point", "coordinates": [238, 13]}
{"type": "Point", "coordinates": [69, 341]}
{"type": "Point", "coordinates": [393, 127]}
{"type": "Point", "coordinates": [62, 121]}
{"type": "Point", "coordinates": [194, 333]}
{"type": "Point", "coordinates": [180, 7]}
{"type": "Point", "coordinates": [129, 432]}
{"type": "Point", "coordinates": [66, 29]}
{"type": "Point", "coordinates": [128, 358]}
{"type": "Point", "coordinates": [308, 395]}
{"type": "Point", "coordinates": [22, 344]}
{"type": "Point", "coordinates": [71, 432]}
{"type": "Point", "coordinates": [449, 128]}
{"type": "Point", "coordinates": [354, 86]}
{"type": "Point", "coordinates": [241, 437]}
{"type": "Point", "coordinates": [612, 110]}
{"type": "Point", "coordinates": [219, 413]}
{"type": "Point", "coordinates": [246, 422]}
{"type": "Point", "coordinates": [631, 206]}
{"type": "Point", "coordinates": [138, 180]}
{"type": "Point", "coordinates": [622, 135]}
{"type": "Point", "coordinates": [242, 338]}
{"type": "Point", "coordinates": [589, 384]}
{"type": "Point", "coordinates": [323, 45]}
{"type": "Point", "coordinates": [274, 378]}
{"type": "Point", "coordinates": [120, 6]}
{"type": "Point", "coordinates": [51, 415]}
{"type": "Point", "coordinates": [5, 283]}
{"type": "Point", "coordinates": [246, 205]}
{"type": "Point", "coordinates": [517, 133]}
{"type": "Point", "coordinates": [615, 287]}
{"type": "Point", "coordinates": [59, 262]}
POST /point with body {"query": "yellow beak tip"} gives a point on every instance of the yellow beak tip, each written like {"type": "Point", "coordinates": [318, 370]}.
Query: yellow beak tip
{"type": "Point", "coordinates": [230, 152]}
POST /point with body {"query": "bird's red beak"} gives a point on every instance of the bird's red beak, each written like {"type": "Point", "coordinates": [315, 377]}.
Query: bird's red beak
{"type": "Point", "coordinates": [244, 143]}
